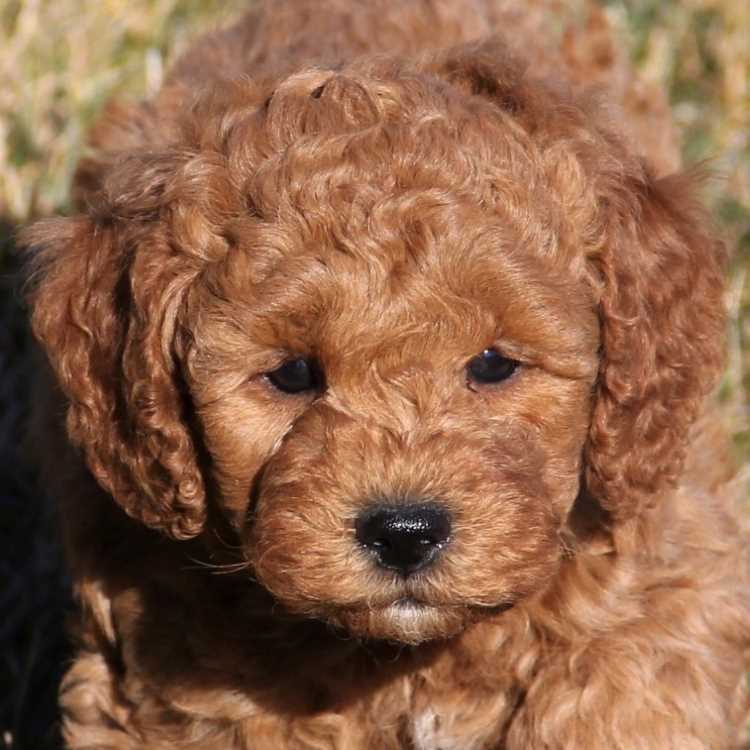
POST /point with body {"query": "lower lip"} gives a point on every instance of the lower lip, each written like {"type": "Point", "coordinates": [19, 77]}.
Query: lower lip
{"type": "Point", "coordinates": [408, 603]}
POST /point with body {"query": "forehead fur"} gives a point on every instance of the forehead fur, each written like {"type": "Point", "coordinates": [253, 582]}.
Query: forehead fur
{"type": "Point", "coordinates": [446, 185]}
{"type": "Point", "coordinates": [372, 141]}
{"type": "Point", "coordinates": [379, 197]}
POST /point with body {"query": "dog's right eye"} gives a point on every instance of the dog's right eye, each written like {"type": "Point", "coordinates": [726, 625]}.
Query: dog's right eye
{"type": "Point", "coordinates": [491, 367]}
{"type": "Point", "coordinates": [296, 376]}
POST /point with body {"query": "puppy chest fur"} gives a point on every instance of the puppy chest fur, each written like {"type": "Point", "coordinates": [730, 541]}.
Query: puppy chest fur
{"type": "Point", "coordinates": [386, 359]}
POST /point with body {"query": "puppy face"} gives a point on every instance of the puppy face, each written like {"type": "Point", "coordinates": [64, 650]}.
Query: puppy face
{"type": "Point", "coordinates": [386, 322]}
{"type": "Point", "coordinates": [388, 345]}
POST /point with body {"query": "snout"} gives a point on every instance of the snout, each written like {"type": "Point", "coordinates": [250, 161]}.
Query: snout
{"type": "Point", "coordinates": [400, 540]}
{"type": "Point", "coordinates": [404, 538]}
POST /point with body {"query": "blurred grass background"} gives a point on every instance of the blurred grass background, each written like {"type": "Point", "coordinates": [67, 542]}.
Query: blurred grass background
{"type": "Point", "coordinates": [61, 60]}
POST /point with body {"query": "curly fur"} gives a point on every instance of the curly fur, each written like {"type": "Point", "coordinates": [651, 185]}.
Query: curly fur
{"type": "Point", "coordinates": [392, 187]}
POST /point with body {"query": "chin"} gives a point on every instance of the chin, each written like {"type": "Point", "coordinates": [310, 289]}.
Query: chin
{"type": "Point", "coordinates": [405, 621]}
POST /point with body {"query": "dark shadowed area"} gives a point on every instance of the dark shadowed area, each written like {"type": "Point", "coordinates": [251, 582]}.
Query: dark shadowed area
{"type": "Point", "coordinates": [34, 596]}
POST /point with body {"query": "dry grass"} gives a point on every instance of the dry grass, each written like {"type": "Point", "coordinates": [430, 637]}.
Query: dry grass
{"type": "Point", "coordinates": [62, 59]}
{"type": "Point", "coordinates": [60, 65]}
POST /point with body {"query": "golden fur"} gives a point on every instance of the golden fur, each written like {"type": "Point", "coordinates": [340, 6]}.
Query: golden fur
{"type": "Point", "coordinates": [391, 187]}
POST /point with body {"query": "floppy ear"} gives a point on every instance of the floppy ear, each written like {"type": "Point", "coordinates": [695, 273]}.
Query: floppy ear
{"type": "Point", "coordinates": [662, 326]}
{"type": "Point", "coordinates": [105, 297]}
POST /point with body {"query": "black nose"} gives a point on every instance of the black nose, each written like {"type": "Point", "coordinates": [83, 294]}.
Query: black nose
{"type": "Point", "coordinates": [404, 538]}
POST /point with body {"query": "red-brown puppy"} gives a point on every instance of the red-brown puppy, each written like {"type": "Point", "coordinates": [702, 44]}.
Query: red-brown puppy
{"type": "Point", "coordinates": [385, 353]}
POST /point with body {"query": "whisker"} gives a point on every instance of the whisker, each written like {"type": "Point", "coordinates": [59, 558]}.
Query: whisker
{"type": "Point", "coordinates": [219, 568]}
{"type": "Point", "coordinates": [227, 545]}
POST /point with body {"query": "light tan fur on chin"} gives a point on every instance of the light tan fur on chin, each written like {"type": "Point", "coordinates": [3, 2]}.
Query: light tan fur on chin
{"type": "Point", "coordinates": [385, 190]}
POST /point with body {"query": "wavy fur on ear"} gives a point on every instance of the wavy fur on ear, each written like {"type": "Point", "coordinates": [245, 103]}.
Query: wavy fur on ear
{"type": "Point", "coordinates": [663, 318]}
{"type": "Point", "coordinates": [105, 303]}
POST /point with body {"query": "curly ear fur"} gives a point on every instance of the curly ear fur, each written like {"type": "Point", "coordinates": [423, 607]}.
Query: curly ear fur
{"type": "Point", "coordinates": [105, 302]}
{"type": "Point", "coordinates": [662, 318]}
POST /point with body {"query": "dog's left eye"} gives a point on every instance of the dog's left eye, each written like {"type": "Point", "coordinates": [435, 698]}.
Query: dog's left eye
{"type": "Point", "coordinates": [490, 367]}
{"type": "Point", "coordinates": [295, 376]}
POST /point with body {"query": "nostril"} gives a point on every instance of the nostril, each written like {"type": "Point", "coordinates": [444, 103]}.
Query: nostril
{"type": "Point", "coordinates": [404, 537]}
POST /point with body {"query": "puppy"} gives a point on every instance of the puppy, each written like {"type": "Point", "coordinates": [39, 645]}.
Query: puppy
{"type": "Point", "coordinates": [384, 346]}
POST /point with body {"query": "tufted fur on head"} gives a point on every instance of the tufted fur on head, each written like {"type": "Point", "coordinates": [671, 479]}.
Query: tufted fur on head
{"type": "Point", "coordinates": [386, 216]}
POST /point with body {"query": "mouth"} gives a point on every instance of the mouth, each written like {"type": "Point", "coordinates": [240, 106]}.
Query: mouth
{"type": "Point", "coordinates": [410, 611]}
{"type": "Point", "coordinates": [412, 620]}
{"type": "Point", "coordinates": [408, 602]}
{"type": "Point", "coordinates": [412, 608]}
{"type": "Point", "coordinates": [410, 605]}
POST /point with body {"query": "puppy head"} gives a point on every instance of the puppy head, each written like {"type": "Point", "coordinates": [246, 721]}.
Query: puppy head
{"type": "Point", "coordinates": [402, 312]}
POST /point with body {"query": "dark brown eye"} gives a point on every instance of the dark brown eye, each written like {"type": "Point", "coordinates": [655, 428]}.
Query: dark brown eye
{"type": "Point", "coordinates": [490, 367]}
{"type": "Point", "coordinates": [295, 376]}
